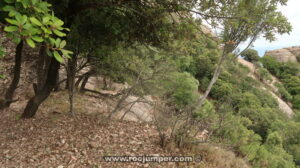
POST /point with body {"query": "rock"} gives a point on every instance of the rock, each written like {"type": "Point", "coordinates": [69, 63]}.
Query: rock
{"type": "Point", "coordinates": [93, 145]}
{"type": "Point", "coordinates": [285, 54]}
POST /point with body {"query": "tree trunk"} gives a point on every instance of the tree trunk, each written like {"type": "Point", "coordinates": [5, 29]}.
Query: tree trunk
{"type": "Point", "coordinates": [41, 67]}
{"type": "Point", "coordinates": [16, 78]}
{"type": "Point", "coordinates": [214, 78]}
{"type": "Point", "coordinates": [85, 80]}
{"type": "Point", "coordinates": [34, 103]}
{"type": "Point", "coordinates": [71, 71]}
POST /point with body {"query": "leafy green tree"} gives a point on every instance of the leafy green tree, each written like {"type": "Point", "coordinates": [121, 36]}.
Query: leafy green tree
{"type": "Point", "coordinates": [244, 26]}
{"type": "Point", "coordinates": [38, 25]}
{"type": "Point", "coordinates": [250, 55]}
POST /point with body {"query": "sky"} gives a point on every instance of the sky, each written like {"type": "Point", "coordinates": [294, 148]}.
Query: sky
{"type": "Point", "coordinates": [292, 12]}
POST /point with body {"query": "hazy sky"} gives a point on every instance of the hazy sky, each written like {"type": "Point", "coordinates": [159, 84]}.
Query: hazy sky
{"type": "Point", "coordinates": [292, 12]}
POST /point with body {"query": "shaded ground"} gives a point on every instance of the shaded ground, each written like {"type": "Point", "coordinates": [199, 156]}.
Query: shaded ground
{"type": "Point", "coordinates": [55, 140]}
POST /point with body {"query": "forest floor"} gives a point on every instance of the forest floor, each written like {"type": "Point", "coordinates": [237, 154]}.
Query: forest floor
{"type": "Point", "coordinates": [55, 139]}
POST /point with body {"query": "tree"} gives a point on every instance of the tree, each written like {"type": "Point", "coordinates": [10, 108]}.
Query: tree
{"type": "Point", "coordinates": [239, 26]}
{"type": "Point", "coordinates": [250, 55]}
{"type": "Point", "coordinates": [33, 26]}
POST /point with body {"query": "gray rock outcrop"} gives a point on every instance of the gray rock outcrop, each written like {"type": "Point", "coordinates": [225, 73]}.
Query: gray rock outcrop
{"type": "Point", "coordinates": [285, 54]}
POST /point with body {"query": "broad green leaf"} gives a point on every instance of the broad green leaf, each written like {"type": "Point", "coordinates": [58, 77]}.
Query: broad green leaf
{"type": "Point", "coordinates": [58, 57]}
{"type": "Point", "coordinates": [30, 43]}
{"type": "Point", "coordinates": [46, 19]}
{"type": "Point", "coordinates": [11, 29]}
{"type": "Point", "coordinates": [63, 44]}
{"type": "Point", "coordinates": [16, 40]}
{"type": "Point", "coordinates": [27, 26]}
{"type": "Point", "coordinates": [49, 53]}
{"type": "Point", "coordinates": [13, 13]}
{"type": "Point", "coordinates": [37, 39]}
{"type": "Point", "coordinates": [57, 42]}
{"type": "Point", "coordinates": [66, 53]}
{"type": "Point", "coordinates": [35, 21]}
{"type": "Point", "coordinates": [58, 22]}
{"type": "Point", "coordinates": [24, 19]}
{"type": "Point", "coordinates": [25, 33]}
{"type": "Point", "coordinates": [8, 8]}
{"type": "Point", "coordinates": [59, 33]}
{"type": "Point", "coordinates": [11, 21]}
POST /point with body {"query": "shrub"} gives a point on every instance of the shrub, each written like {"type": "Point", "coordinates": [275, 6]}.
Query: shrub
{"type": "Point", "coordinates": [296, 102]}
{"type": "Point", "coordinates": [271, 64]}
{"type": "Point", "coordinates": [283, 93]}
{"type": "Point", "coordinates": [263, 74]}
{"type": "Point", "coordinates": [221, 89]}
{"type": "Point", "coordinates": [250, 55]}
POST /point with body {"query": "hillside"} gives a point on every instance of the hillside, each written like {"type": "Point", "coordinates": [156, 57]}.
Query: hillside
{"type": "Point", "coordinates": [146, 83]}
{"type": "Point", "coordinates": [270, 85]}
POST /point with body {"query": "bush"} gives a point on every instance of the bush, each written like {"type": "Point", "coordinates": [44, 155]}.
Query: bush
{"type": "Point", "coordinates": [292, 83]}
{"type": "Point", "coordinates": [250, 55]}
{"type": "Point", "coordinates": [271, 64]}
{"type": "Point", "coordinates": [221, 89]}
{"type": "Point", "coordinates": [283, 93]}
{"type": "Point", "coordinates": [184, 89]}
{"type": "Point", "coordinates": [296, 102]}
{"type": "Point", "coordinates": [263, 74]}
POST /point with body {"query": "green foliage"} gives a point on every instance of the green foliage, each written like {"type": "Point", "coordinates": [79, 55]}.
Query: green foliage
{"type": "Point", "coordinates": [263, 74]}
{"type": "Point", "coordinates": [283, 93]}
{"type": "Point", "coordinates": [250, 55]}
{"type": "Point", "coordinates": [298, 58]}
{"type": "Point", "coordinates": [32, 21]}
{"type": "Point", "coordinates": [271, 64]}
{"type": "Point", "coordinates": [292, 83]}
{"type": "Point", "coordinates": [274, 139]}
{"type": "Point", "coordinates": [184, 89]}
{"type": "Point", "coordinates": [296, 101]}
{"type": "Point", "coordinates": [220, 89]}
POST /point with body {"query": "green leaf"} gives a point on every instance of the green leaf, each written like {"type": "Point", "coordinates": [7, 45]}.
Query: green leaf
{"type": "Point", "coordinates": [8, 8]}
{"type": "Point", "coordinates": [58, 57]}
{"type": "Point", "coordinates": [59, 33]}
{"type": "Point", "coordinates": [49, 53]}
{"type": "Point", "coordinates": [66, 53]}
{"type": "Point", "coordinates": [35, 21]}
{"type": "Point", "coordinates": [58, 22]}
{"type": "Point", "coordinates": [57, 42]}
{"type": "Point", "coordinates": [37, 39]}
{"type": "Point", "coordinates": [13, 13]}
{"type": "Point", "coordinates": [11, 29]}
{"type": "Point", "coordinates": [11, 21]}
{"type": "Point", "coordinates": [24, 19]}
{"type": "Point", "coordinates": [30, 43]}
{"type": "Point", "coordinates": [63, 44]}
{"type": "Point", "coordinates": [16, 40]}
{"type": "Point", "coordinates": [46, 19]}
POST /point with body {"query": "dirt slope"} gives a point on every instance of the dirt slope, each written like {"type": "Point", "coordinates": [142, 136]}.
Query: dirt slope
{"type": "Point", "coordinates": [54, 139]}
